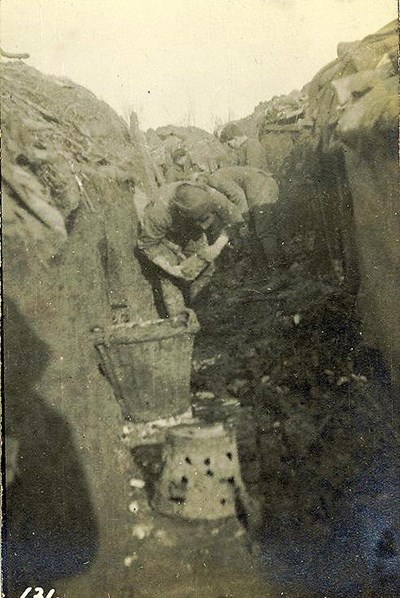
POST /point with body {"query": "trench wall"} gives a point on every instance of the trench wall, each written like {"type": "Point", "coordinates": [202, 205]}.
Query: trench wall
{"type": "Point", "coordinates": [67, 510]}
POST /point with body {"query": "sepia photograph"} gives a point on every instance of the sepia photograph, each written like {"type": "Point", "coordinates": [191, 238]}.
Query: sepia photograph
{"type": "Point", "coordinates": [200, 339]}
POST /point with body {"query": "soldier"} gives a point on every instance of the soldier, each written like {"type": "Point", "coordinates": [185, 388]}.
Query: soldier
{"type": "Point", "coordinates": [173, 239]}
{"type": "Point", "coordinates": [181, 168]}
{"type": "Point", "coordinates": [255, 193]}
{"type": "Point", "coordinates": [248, 150]}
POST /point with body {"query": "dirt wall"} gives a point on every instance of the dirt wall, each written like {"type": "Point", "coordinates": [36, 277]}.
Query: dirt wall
{"type": "Point", "coordinates": [67, 511]}
{"type": "Point", "coordinates": [339, 184]}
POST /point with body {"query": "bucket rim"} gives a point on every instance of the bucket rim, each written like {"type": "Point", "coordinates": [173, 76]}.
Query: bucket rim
{"type": "Point", "coordinates": [147, 331]}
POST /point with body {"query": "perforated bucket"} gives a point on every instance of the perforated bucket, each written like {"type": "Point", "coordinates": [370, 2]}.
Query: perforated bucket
{"type": "Point", "coordinates": [200, 474]}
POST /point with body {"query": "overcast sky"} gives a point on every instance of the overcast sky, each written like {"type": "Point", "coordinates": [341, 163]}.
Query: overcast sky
{"type": "Point", "coordinates": [187, 61]}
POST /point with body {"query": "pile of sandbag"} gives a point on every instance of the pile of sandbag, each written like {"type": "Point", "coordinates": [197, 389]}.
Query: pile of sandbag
{"type": "Point", "coordinates": [360, 67]}
{"type": "Point", "coordinates": [283, 124]}
{"type": "Point", "coordinates": [205, 151]}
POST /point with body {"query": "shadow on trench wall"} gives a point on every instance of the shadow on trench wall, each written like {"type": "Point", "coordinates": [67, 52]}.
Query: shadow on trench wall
{"type": "Point", "coordinates": [358, 552]}
{"type": "Point", "coordinates": [50, 527]}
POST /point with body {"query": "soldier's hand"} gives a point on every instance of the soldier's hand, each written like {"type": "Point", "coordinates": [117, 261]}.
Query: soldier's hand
{"type": "Point", "coordinates": [211, 252]}
{"type": "Point", "coordinates": [176, 271]}
{"type": "Point", "coordinates": [163, 263]}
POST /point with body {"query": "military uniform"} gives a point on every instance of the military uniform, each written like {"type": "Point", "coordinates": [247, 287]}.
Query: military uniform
{"type": "Point", "coordinates": [255, 193]}
{"type": "Point", "coordinates": [251, 153]}
{"type": "Point", "coordinates": [170, 229]}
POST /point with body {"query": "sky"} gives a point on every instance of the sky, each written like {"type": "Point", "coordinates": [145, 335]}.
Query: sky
{"type": "Point", "coordinates": [197, 62]}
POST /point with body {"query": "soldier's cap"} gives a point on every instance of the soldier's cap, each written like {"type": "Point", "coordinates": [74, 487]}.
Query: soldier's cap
{"type": "Point", "coordinates": [230, 131]}
{"type": "Point", "coordinates": [192, 202]}
{"type": "Point", "coordinates": [180, 152]}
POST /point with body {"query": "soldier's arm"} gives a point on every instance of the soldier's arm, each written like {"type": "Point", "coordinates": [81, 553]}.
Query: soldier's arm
{"type": "Point", "coordinates": [211, 252]}
{"type": "Point", "coordinates": [230, 214]}
{"type": "Point", "coordinates": [256, 156]}
{"type": "Point", "coordinates": [229, 188]}
{"type": "Point", "coordinates": [163, 263]}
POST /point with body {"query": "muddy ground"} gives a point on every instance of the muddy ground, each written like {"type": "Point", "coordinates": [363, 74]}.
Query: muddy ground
{"type": "Point", "coordinates": [280, 356]}
{"type": "Point", "coordinates": [315, 402]}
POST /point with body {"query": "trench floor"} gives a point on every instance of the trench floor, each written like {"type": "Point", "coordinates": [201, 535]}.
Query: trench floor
{"type": "Point", "coordinates": [182, 559]}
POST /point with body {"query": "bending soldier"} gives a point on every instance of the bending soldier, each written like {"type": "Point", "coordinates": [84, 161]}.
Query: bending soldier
{"type": "Point", "coordinates": [255, 193]}
{"type": "Point", "coordinates": [173, 240]}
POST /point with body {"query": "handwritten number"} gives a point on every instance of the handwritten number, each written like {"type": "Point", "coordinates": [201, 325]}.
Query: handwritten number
{"type": "Point", "coordinates": [38, 593]}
